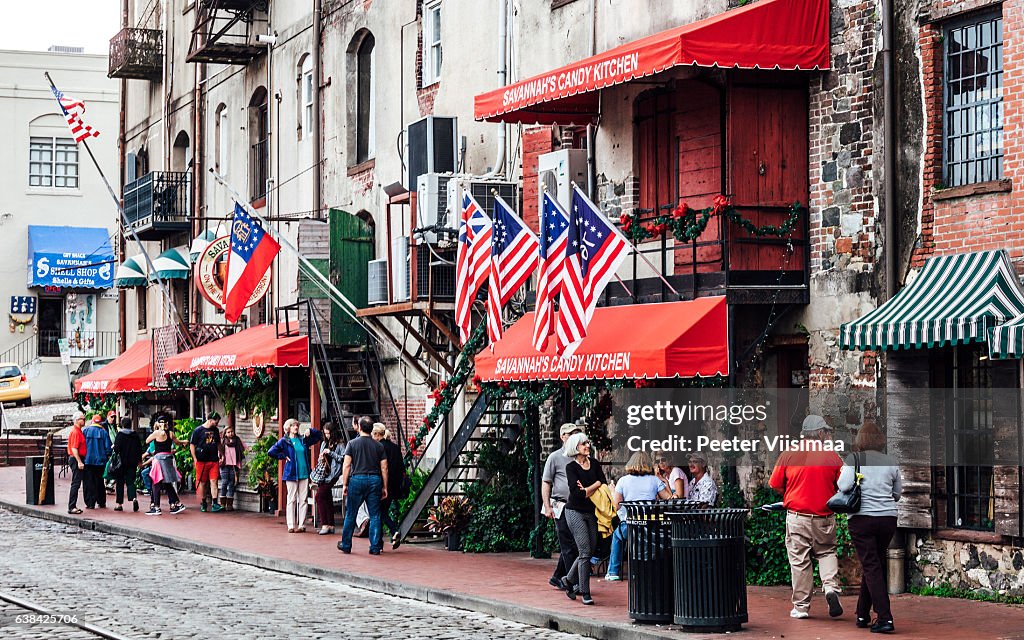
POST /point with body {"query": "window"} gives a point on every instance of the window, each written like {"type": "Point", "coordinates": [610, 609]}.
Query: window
{"type": "Point", "coordinates": [221, 140]}
{"type": "Point", "coordinates": [140, 302]}
{"type": "Point", "coordinates": [259, 135]}
{"type": "Point", "coordinates": [969, 486]}
{"type": "Point", "coordinates": [365, 106]}
{"type": "Point", "coordinates": [973, 88]}
{"type": "Point", "coordinates": [431, 42]}
{"type": "Point", "coordinates": [306, 97]}
{"type": "Point", "coordinates": [53, 162]}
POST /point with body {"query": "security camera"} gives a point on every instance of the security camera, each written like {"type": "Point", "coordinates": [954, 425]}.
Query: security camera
{"type": "Point", "coordinates": [266, 38]}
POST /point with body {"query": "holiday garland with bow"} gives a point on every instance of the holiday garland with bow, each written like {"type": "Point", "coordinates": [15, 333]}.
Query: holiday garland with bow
{"type": "Point", "coordinates": [686, 224]}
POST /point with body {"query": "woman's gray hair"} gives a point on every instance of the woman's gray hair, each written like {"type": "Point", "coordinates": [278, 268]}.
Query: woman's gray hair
{"type": "Point", "coordinates": [288, 423]}
{"type": "Point", "coordinates": [572, 445]}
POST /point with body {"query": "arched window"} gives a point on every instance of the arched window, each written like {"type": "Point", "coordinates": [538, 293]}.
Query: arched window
{"type": "Point", "coordinates": [305, 97]}
{"type": "Point", "coordinates": [259, 133]}
{"type": "Point", "coordinates": [362, 55]}
{"type": "Point", "coordinates": [52, 154]}
{"type": "Point", "coordinates": [220, 139]}
{"type": "Point", "coordinates": [181, 153]}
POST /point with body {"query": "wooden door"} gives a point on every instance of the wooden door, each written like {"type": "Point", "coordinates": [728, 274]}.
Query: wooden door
{"type": "Point", "coordinates": [351, 251]}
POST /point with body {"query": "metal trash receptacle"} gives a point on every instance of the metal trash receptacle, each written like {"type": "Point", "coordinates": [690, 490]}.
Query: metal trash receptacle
{"type": "Point", "coordinates": [649, 547]}
{"type": "Point", "coordinates": [709, 569]}
{"type": "Point", "coordinates": [34, 479]}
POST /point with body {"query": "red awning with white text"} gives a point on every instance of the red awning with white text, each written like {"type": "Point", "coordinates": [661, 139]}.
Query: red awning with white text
{"type": "Point", "coordinates": [770, 34]}
{"type": "Point", "coordinates": [257, 347]}
{"type": "Point", "coordinates": [667, 340]}
{"type": "Point", "coordinates": [130, 372]}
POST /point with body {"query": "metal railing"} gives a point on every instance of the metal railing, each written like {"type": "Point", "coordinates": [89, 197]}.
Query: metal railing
{"type": "Point", "coordinates": [159, 197]}
{"type": "Point", "coordinates": [46, 344]}
{"type": "Point", "coordinates": [259, 169]}
{"type": "Point", "coordinates": [136, 54]}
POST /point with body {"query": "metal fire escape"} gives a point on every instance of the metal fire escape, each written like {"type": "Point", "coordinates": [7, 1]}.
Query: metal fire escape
{"type": "Point", "coordinates": [225, 31]}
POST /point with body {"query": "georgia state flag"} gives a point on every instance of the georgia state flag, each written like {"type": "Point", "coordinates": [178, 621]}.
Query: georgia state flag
{"type": "Point", "coordinates": [252, 253]}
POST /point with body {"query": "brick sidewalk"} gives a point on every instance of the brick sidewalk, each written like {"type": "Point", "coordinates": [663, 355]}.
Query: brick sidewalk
{"type": "Point", "coordinates": [511, 585]}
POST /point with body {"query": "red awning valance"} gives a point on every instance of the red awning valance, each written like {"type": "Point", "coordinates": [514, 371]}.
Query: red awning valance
{"type": "Point", "coordinates": [671, 339]}
{"type": "Point", "coordinates": [255, 347]}
{"type": "Point", "coordinates": [130, 372]}
{"type": "Point", "coordinates": [770, 34]}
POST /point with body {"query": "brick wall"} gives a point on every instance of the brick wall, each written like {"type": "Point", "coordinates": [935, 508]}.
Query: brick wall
{"type": "Point", "coordinates": [536, 142]}
{"type": "Point", "coordinates": [425, 96]}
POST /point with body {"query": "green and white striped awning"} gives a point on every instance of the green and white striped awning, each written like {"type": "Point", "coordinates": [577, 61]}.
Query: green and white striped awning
{"type": "Point", "coordinates": [173, 264]}
{"type": "Point", "coordinates": [131, 273]}
{"type": "Point", "coordinates": [955, 299]}
{"type": "Point", "coordinates": [200, 243]}
{"type": "Point", "coordinates": [1007, 340]}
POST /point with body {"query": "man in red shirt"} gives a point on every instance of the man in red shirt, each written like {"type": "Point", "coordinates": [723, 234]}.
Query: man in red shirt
{"type": "Point", "coordinates": [76, 450]}
{"type": "Point", "coordinates": [807, 479]}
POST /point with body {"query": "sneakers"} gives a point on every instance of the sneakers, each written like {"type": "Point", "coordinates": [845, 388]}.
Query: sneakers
{"type": "Point", "coordinates": [611, 577]}
{"type": "Point", "coordinates": [118, 508]}
{"type": "Point", "coordinates": [154, 511]}
{"type": "Point", "coordinates": [178, 508]}
{"type": "Point", "coordinates": [216, 508]}
{"type": "Point", "coordinates": [555, 582]}
{"type": "Point", "coordinates": [202, 506]}
{"type": "Point", "coordinates": [863, 623]}
{"type": "Point", "coordinates": [570, 590]}
{"type": "Point", "coordinates": [796, 613]}
{"type": "Point", "coordinates": [135, 506]}
{"type": "Point", "coordinates": [586, 599]}
{"type": "Point", "coordinates": [834, 608]}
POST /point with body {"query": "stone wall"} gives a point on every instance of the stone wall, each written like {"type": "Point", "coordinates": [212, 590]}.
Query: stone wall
{"type": "Point", "coordinates": [965, 565]}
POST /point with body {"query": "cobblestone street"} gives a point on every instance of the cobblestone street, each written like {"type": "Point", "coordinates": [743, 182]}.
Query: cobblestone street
{"type": "Point", "coordinates": [140, 590]}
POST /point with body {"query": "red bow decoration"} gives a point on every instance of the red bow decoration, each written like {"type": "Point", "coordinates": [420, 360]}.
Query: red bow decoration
{"type": "Point", "coordinates": [720, 202]}
{"type": "Point", "coordinates": [680, 211]}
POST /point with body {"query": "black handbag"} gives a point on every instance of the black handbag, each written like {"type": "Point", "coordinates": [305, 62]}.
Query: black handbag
{"type": "Point", "coordinates": [848, 501]}
{"type": "Point", "coordinates": [114, 464]}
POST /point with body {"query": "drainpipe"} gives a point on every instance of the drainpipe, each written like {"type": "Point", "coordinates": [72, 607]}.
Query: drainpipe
{"type": "Point", "coordinates": [198, 173]}
{"type": "Point", "coordinates": [499, 163]}
{"type": "Point", "coordinates": [122, 146]}
{"type": "Point", "coordinates": [317, 142]}
{"type": "Point", "coordinates": [889, 140]}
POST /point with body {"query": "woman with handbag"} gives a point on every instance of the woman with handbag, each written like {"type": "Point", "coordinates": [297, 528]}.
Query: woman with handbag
{"type": "Point", "coordinates": [124, 464]}
{"type": "Point", "coordinates": [326, 474]}
{"type": "Point", "coordinates": [585, 477]}
{"type": "Point", "coordinates": [872, 525]}
{"type": "Point", "coordinates": [294, 450]}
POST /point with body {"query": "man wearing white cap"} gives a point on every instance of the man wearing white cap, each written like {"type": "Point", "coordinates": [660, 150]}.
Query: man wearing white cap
{"type": "Point", "coordinates": [807, 479]}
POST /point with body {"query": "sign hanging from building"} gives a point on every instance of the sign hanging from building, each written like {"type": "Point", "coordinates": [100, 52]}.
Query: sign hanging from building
{"type": "Point", "coordinates": [70, 257]}
{"type": "Point", "coordinates": [211, 274]}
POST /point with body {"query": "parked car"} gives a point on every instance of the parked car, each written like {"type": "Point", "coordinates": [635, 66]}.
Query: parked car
{"type": "Point", "coordinates": [14, 385]}
{"type": "Point", "coordinates": [88, 366]}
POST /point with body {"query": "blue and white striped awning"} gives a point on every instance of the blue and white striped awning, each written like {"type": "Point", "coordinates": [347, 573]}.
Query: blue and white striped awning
{"type": "Point", "coordinates": [956, 299]}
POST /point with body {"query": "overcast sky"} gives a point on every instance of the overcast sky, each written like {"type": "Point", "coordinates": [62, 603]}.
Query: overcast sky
{"type": "Point", "coordinates": [34, 25]}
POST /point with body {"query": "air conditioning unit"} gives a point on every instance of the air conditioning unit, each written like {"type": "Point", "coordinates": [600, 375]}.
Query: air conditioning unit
{"type": "Point", "coordinates": [432, 206]}
{"type": "Point", "coordinates": [482, 192]}
{"type": "Point", "coordinates": [557, 171]}
{"type": "Point", "coordinates": [431, 147]}
{"type": "Point", "coordinates": [400, 269]}
{"type": "Point", "coordinates": [377, 282]}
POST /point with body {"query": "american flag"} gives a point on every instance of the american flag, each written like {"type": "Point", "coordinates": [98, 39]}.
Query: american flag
{"type": "Point", "coordinates": [73, 110]}
{"type": "Point", "coordinates": [594, 252]}
{"type": "Point", "coordinates": [554, 223]}
{"type": "Point", "coordinates": [513, 259]}
{"type": "Point", "coordinates": [473, 261]}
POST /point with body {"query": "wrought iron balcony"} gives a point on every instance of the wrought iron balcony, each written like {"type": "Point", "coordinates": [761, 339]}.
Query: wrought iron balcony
{"type": "Point", "coordinates": [159, 204]}
{"type": "Point", "coordinates": [225, 31]}
{"type": "Point", "coordinates": [137, 54]}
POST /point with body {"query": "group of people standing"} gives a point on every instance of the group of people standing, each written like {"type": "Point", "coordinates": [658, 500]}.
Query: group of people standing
{"type": "Point", "coordinates": [120, 454]}
{"type": "Point", "coordinates": [578, 497]}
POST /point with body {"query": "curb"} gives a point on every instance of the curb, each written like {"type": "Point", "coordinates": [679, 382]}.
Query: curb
{"type": "Point", "coordinates": [526, 615]}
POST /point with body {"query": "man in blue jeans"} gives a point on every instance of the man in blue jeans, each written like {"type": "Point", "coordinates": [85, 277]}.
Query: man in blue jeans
{"type": "Point", "coordinates": [364, 478]}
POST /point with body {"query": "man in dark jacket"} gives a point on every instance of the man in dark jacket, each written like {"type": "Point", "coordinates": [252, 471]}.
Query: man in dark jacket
{"type": "Point", "coordinates": [97, 442]}
{"type": "Point", "coordinates": [129, 450]}
{"type": "Point", "coordinates": [396, 474]}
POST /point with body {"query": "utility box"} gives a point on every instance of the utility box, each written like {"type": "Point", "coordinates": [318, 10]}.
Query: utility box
{"type": "Point", "coordinates": [432, 147]}
{"type": "Point", "coordinates": [557, 171]}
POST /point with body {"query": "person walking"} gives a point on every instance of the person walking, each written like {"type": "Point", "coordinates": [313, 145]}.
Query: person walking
{"type": "Point", "coordinates": [294, 450]}
{"type": "Point", "coordinates": [205, 448]}
{"type": "Point", "coordinates": [673, 477]}
{"type": "Point", "coordinates": [129, 451]}
{"type": "Point", "coordinates": [584, 476]}
{"type": "Point", "coordinates": [639, 483]}
{"type": "Point", "coordinates": [873, 526]}
{"type": "Point", "coordinates": [364, 479]}
{"type": "Point", "coordinates": [806, 480]}
{"type": "Point", "coordinates": [332, 455]}
{"type": "Point", "coordinates": [396, 474]}
{"type": "Point", "coordinates": [702, 488]}
{"type": "Point", "coordinates": [77, 449]}
{"type": "Point", "coordinates": [97, 443]}
{"type": "Point", "coordinates": [231, 453]}
{"type": "Point", "coordinates": [554, 491]}
{"type": "Point", "coordinates": [162, 472]}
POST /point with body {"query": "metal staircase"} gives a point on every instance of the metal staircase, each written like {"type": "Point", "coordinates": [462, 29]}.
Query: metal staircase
{"type": "Point", "coordinates": [488, 421]}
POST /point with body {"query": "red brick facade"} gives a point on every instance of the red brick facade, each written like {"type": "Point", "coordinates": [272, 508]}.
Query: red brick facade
{"type": "Point", "coordinates": [536, 142]}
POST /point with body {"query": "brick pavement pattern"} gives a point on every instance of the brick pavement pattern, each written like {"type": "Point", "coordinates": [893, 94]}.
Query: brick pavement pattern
{"type": "Point", "coordinates": [146, 591]}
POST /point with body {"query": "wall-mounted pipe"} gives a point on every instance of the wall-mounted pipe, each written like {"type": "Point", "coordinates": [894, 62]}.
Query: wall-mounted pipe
{"type": "Point", "coordinates": [890, 243]}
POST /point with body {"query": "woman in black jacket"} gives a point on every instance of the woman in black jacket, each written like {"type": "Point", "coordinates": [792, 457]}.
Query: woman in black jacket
{"type": "Point", "coordinates": [332, 454]}
{"type": "Point", "coordinates": [128, 448]}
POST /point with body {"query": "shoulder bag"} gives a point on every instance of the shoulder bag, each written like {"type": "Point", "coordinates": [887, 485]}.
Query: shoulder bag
{"type": "Point", "coordinates": [848, 501]}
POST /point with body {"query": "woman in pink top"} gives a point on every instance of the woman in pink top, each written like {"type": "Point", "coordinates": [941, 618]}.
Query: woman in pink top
{"type": "Point", "coordinates": [232, 452]}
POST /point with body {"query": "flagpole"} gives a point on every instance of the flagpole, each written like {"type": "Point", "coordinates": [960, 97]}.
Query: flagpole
{"type": "Point", "coordinates": [636, 251]}
{"type": "Point", "coordinates": [127, 226]}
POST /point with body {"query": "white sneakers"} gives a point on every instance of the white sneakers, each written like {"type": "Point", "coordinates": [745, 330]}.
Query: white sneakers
{"type": "Point", "coordinates": [796, 613]}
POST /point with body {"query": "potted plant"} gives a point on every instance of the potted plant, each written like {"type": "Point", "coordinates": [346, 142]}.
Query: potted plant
{"type": "Point", "coordinates": [450, 518]}
{"type": "Point", "coordinates": [263, 472]}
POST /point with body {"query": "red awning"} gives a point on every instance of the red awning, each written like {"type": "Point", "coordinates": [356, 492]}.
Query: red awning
{"type": "Point", "coordinates": [671, 339]}
{"type": "Point", "coordinates": [130, 372]}
{"type": "Point", "coordinates": [770, 34]}
{"type": "Point", "coordinates": [255, 347]}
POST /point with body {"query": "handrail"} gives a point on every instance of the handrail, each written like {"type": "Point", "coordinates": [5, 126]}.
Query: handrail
{"type": "Point", "coordinates": [28, 345]}
{"type": "Point", "coordinates": [381, 382]}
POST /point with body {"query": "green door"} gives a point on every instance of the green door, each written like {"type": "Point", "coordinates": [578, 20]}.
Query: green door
{"type": "Point", "coordinates": [351, 252]}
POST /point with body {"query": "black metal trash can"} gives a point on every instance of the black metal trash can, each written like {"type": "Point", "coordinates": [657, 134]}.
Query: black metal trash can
{"type": "Point", "coordinates": [649, 546]}
{"type": "Point", "coordinates": [34, 479]}
{"type": "Point", "coordinates": [709, 569]}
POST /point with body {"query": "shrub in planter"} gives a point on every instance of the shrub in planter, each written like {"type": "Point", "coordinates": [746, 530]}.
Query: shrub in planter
{"type": "Point", "coordinates": [262, 468]}
{"type": "Point", "coordinates": [450, 518]}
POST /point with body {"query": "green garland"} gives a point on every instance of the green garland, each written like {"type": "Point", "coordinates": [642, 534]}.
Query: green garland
{"type": "Point", "coordinates": [686, 224]}
{"type": "Point", "coordinates": [246, 379]}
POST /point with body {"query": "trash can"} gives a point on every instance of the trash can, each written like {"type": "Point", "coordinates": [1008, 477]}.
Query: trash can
{"type": "Point", "coordinates": [34, 478]}
{"type": "Point", "coordinates": [649, 546]}
{"type": "Point", "coordinates": [709, 569]}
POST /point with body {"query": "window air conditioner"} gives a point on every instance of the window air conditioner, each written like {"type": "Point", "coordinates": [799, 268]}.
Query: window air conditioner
{"type": "Point", "coordinates": [432, 205]}
{"type": "Point", "coordinates": [557, 171]}
{"type": "Point", "coordinates": [400, 269]}
{"type": "Point", "coordinates": [481, 191]}
{"type": "Point", "coordinates": [377, 282]}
